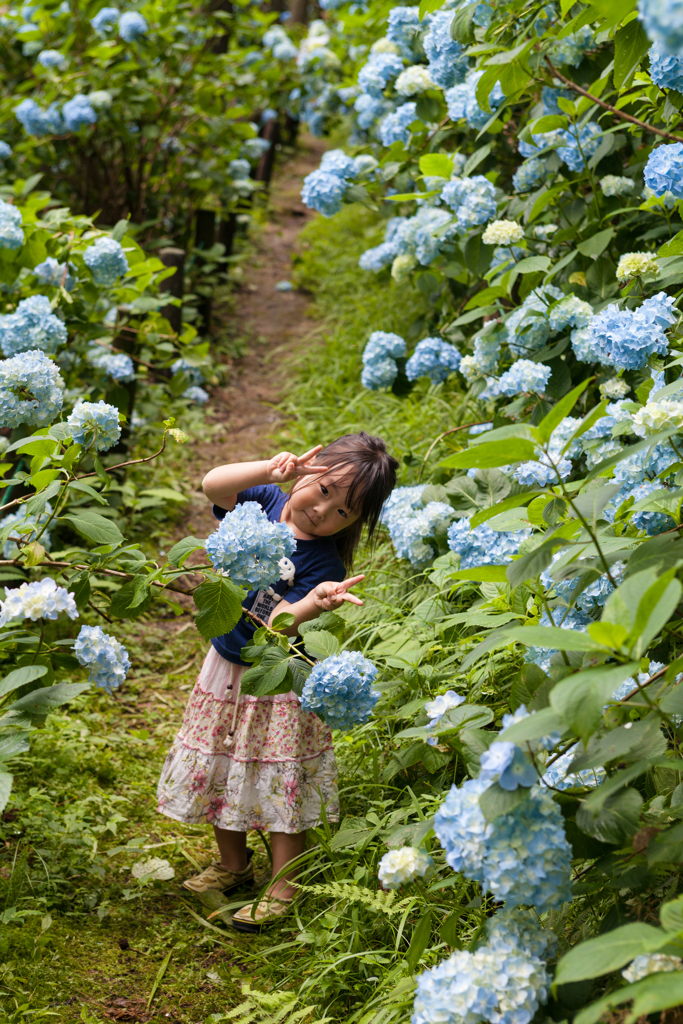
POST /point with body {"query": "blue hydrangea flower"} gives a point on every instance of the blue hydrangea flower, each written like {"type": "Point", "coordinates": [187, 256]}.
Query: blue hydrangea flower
{"type": "Point", "coordinates": [196, 394]}
{"type": "Point", "coordinates": [447, 63]}
{"type": "Point", "coordinates": [104, 20]}
{"type": "Point", "coordinates": [461, 101]}
{"type": "Point", "coordinates": [472, 199]}
{"type": "Point", "coordinates": [541, 141]}
{"type": "Point", "coordinates": [663, 22]}
{"type": "Point", "coordinates": [248, 547]}
{"type": "Point", "coordinates": [78, 113]}
{"type": "Point", "coordinates": [239, 169]}
{"type": "Point", "coordinates": [527, 332]}
{"type": "Point", "coordinates": [11, 233]}
{"type": "Point", "coordinates": [379, 374]}
{"type": "Point", "coordinates": [374, 76]}
{"type": "Point", "coordinates": [520, 929]}
{"type": "Point", "coordinates": [433, 358]}
{"type": "Point", "coordinates": [253, 149]}
{"type": "Point", "coordinates": [285, 50]}
{"type": "Point", "coordinates": [42, 599]}
{"type": "Point", "coordinates": [51, 59]}
{"type": "Point", "coordinates": [30, 390]}
{"type": "Point", "coordinates": [193, 374]}
{"type": "Point", "coordinates": [548, 742]}
{"type": "Point", "coordinates": [339, 690]}
{"type": "Point", "coordinates": [438, 707]}
{"type": "Point", "coordinates": [482, 545]}
{"type": "Point", "coordinates": [32, 326]}
{"type": "Point", "coordinates": [395, 126]}
{"type": "Point", "coordinates": [383, 344]}
{"type": "Point", "coordinates": [404, 24]}
{"type": "Point", "coordinates": [94, 424]}
{"type": "Point", "coordinates": [666, 70]}
{"type": "Point", "coordinates": [410, 526]}
{"type": "Point", "coordinates": [543, 471]}
{"type": "Point", "coordinates": [378, 257]}
{"type": "Point", "coordinates": [402, 502]}
{"type": "Point", "coordinates": [27, 529]}
{"type": "Point", "coordinates": [571, 311]}
{"type": "Point", "coordinates": [107, 261]}
{"type": "Point", "coordinates": [116, 365]}
{"type": "Point", "coordinates": [558, 776]}
{"type": "Point", "coordinates": [507, 762]}
{"type": "Point", "coordinates": [51, 272]}
{"type": "Point", "coordinates": [551, 96]}
{"type": "Point", "coordinates": [626, 338]}
{"type": "Point", "coordinates": [528, 175]}
{"type": "Point", "coordinates": [523, 377]}
{"type": "Point", "coordinates": [132, 26]}
{"type": "Point", "coordinates": [369, 109]}
{"type": "Point", "coordinates": [5, 150]}
{"type": "Point", "coordinates": [664, 170]}
{"type": "Point", "coordinates": [323, 191]}
{"type": "Point", "coordinates": [572, 48]}
{"type": "Point", "coordinates": [544, 19]}
{"type": "Point", "coordinates": [571, 619]}
{"type": "Point", "coordinates": [580, 145]}
{"type": "Point", "coordinates": [651, 521]}
{"type": "Point", "coordinates": [335, 161]}
{"type": "Point", "coordinates": [37, 121]}
{"type": "Point", "coordinates": [462, 829]}
{"type": "Point", "coordinates": [104, 655]}
{"type": "Point", "coordinates": [648, 462]}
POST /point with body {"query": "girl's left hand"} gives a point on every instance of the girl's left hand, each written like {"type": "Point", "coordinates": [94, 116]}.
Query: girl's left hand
{"type": "Point", "coordinates": [329, 596]}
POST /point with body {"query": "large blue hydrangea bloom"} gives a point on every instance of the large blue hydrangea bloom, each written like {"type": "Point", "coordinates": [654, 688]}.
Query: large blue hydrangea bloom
{"type": "Point", "coordinates": [572, 48]}
{"type": "Point", "coordinates": [664, 170]}
{"type": "Point", "coordinates": [335, 161]}
{"type": "Point", "coordinates": [37, 121]}
{"type": "Point", "coordinates": [33, 325]}
{"type": "Point", "coordinates": [482, 545]}
{"type": "Point", "coordinates": [472, 199]}
{"type": "Point", "coordinates": [663, 22]}
{"type": "Point", "coordinates": [433, 358]}
{"type": "Point", "coordinates": [132, 26]}
{"type": "Point", "coordinates": [666, 70]}
{"type": "Point", "coordinates": [339, 690]}
{"type": "Point", "coordinates": [461, 101]}
{"type": "Point", "coordinates": [78, 113]}
{"type": "Point", "coordinates": [94, 424]}
{"type": "Point", "coordinates": [51, 59]}
{"type": "Point", "coordinates": [105, 19]}
{"type": "Point", "coordinates": [369, 109]}
{"type": "Point", "coordinates": [29, 374]}
{"type": "Point", "coordinates": [11, 232]}
{"type": "Point", "coordinates": [411, 525]}
{"type": "Point", "coordinates": [323, 191]}
{"type": "Point", "coordinates": [116, 365]}
{"type": "Point", "coordinates": [626, 338]}
{"type": "Point", "coordinates": [526, 331]}
{"type": "Point", "coordinates": [51, 272]}
{"type": "Point", "coordinates": [382, 68]}
{"type": "Point", "coordinates": [106, 260]}
{"type": "Point", "coordinates": [395, 126]}
{"type": "Point", "coordinates": [447, 61]}
{"type": "Point", "coordinates": [524, 376]}
{"type": "Point", "coordinates": [528, 174]}
{"type": "Point", "coordinates": [404, 24]}
{"type": "Point", "coordinates": [579, 146]}
{"type": "Point", "coordinates": [104, 655]}
{"type": "Point", "coordinates": [248, 547]}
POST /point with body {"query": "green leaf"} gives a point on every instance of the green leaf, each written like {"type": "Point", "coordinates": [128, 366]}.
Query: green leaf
{"type": "Point", "coordinates": [531, 265]}
{"type": "Point", "coordinates": [630, 742]}
{"type": "Point", "coordinates": [268, 676]}
{"type": "Point", "coordinates": [426, 7]}
{"type": "Point", "coordinates": [630, 45]}
{"type": "Point", "coordinates": [15, 743]}
{"type": "Point", "coordinates": [419, 940]}
{"type": "Point", "coordinates": [80, 587]}
{"type": "Point", "coordinates": [609, 952]}
{"type": "Point", "coordinates": [132, 599]}
{"type": "Point", "coordinates": [667, 847]}
{"type": "Point", "coordinates": [20, 677]}
{"type": "Point", "coordinates": [596, 244]}
{"type": "Point", "coordinates": [320, 644]}
{"type": "Point", "coordinates": [671, 915]}
{"type": "Point", "coordinates": [533, 563]}
{"type": "Point", "coordinates": [436, 165]}
{"type": "Point", "coordinates": [617, 820]}
{"type": "Point", "coordinates": [481, 574]}
{"type": "Point", "coordinates": [42, 701]}
{"type": "Point", "coordinates": [462, 26]}
{"type": "Point", "coordinates": [487, 456]}
{"type": "Point", "coordinates": [220, 606]}
{"type": "Point", "coordinates": [561, 409]}
{"type": "Point", "coordinates": [496, 801]}
{"type": "Point", "coordinates": [674, 247]}
{"type": "Point", "coordinates": [283, 621]}
{"type": "Point", "coordinates": [534, 727]}
{"type": "Point", "coordinates": [553, 637]}
{"type": "Point", "coordinates": [5, 789]}
{"type": "Point", "coordinates": [180, 551]}
{"type": "Point", "coordinates": [657, 992]}
{"type": "Point", "coordinates": [95, 527]}
{"type": "Point", "coordinates": [579, 699]}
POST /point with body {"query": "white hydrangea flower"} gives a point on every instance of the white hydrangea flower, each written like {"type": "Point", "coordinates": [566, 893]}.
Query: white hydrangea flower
{"type": "Point", "coordinates": [616, 185]}
{"type": "Point", "coordinates": [155, 869]}
{"type": "Point", "coordinates": [405, 865]}
{"type": "Point", "coordinates": [615, 388]}
{"type": "Point", "coordinates": [502, 232]}
{"type": "Point", "coordinates": [414, 80]}
{"type": "Point", "coordinates": [470, 369]}
{"type": "Point", "coordinates": [42, 599]}
{"type": "Point", "coordinates": [635, 264]}
{"type": "Point", "coordinates": [402, 266]}
{"type": "Point", "coordinates": [384, 45]}
{"type": "Point", "coordinates": [666, 414]}
{"type": "Point", "coordinates": [650, 963]}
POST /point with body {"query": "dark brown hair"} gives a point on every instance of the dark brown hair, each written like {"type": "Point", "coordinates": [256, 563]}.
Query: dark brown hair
{"type": "Point", "coordinates": [372, 472]}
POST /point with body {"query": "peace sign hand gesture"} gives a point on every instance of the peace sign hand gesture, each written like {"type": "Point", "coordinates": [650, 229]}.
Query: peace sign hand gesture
{"type": "Point", "coordinates": [286, 466]}
{"type": "Point", "coordinates": [329, 596]}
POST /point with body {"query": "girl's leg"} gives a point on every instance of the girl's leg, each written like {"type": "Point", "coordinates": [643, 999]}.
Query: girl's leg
{"type": "Point", "coordinates": [285, 847]}
{"type": "Point", "coordinates": [233, 849]}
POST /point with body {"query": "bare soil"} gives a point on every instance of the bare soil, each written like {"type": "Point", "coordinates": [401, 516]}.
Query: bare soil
{"type": "Point", "coordinates": [278, 324]}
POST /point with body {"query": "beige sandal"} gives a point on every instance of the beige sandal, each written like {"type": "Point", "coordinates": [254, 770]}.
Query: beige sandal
{"type": "Point", "coordinates": [255, 916]}
{"type": "Point", "coordinates": [217, 877]}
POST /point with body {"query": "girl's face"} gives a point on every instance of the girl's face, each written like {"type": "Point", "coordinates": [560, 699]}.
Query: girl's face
{"type": "Point", "coordinates": [317, 505]}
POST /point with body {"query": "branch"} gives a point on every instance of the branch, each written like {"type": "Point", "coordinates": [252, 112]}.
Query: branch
{"type": "Point", "coordinates": [608, 106]}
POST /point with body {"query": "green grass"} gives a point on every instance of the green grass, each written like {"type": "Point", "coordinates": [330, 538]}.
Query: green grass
{"type": "Point", "coordinates": [81, 938]}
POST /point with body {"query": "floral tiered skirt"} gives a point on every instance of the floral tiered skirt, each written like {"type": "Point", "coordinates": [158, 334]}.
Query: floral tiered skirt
{"type": "Point", "coordinates": [263, 763]}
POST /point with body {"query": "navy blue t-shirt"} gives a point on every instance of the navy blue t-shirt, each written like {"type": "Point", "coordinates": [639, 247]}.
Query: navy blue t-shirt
{"type": "Point", "coordinates": [313, 562]}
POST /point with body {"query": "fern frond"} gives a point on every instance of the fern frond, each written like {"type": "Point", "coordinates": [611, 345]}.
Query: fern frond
{"type": "Point", "coordinates": [376, 899]}
{"type": "Point", "coordinates": [271, 1008]}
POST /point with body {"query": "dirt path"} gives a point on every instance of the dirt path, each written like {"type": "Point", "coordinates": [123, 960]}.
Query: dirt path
{"type": "Point", "coordinates": [279, 323]}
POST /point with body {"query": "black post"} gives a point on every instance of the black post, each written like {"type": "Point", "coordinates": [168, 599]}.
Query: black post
{"type": "Point", "coordinates": [271, 132]}
{"type": "Point", "coordinates": [227, 228]}
{"type": "Point", "coordinates": [220, 44]}
{"type": "Point", "coordinates": [174, 285]}
{"type": "Point", "coordinates": [204, 238]}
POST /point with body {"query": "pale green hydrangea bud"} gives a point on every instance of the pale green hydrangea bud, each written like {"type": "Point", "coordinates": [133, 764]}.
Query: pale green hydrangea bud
{"type": "Point", "coordinates": [666, 414]}
{"type": "Point", "coordinates": [384, 45]}
{"type": "Point", "coordinates": [635, 264]}
{"type": "Point", "coordinates": [401, 267]}
{"type": "Point", "coordinates": [650, 963]}
{"type": "Point", "coordinates": [413, 80]}
{"type": "Point", "coordinates": [614, 389]}
{"type": "Point", "coordinates": [502, 232]}
{"type": "Point", "coordinates": [615, 185]}
{"type": "Point", "coordinates": [470, 369]}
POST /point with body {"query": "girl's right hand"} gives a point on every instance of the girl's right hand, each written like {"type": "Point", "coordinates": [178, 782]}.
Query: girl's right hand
{"type": "Point", "coordinates": [286, 466]}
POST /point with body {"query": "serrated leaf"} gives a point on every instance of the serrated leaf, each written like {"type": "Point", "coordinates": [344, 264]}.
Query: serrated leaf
{"type": "Point", "coordinates": [95, 527]}
{"type": "Point", "coordinates": [630, 45]}
{"type": "Point", "coordinates": [43, 700]}
{"type": "Point", "coordinates": [496, 801]}
{"type": "Point", "coordinates": [490, 455]}
{"type": "Point", "coordinates": [220, 606]}
{"type": "Point", "coordinates": [180, 551]}
{"type": "Point", "coordinates": [320, 644]}
{"type": "Point", "coordinates": [609, 952]}
{"type": "Point", "coordinates": [5, 789]}
{"type": "Point", "coordinates": [657, 992]}
{"type": "Point", "coordinates": [20, 677]}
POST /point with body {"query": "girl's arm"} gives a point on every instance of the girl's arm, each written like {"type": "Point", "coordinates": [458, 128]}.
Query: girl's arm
{"type": "Point", "coordinates": [222, 484]}
{"type": "Point", "coordinates": [325, 597]}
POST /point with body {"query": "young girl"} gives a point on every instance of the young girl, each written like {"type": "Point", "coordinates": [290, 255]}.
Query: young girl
{"type": "Point", "coordinates": [262, 762]}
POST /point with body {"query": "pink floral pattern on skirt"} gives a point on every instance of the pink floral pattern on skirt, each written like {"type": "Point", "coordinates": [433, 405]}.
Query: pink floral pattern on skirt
{"type": "Point", "coordinates": [277, 770]}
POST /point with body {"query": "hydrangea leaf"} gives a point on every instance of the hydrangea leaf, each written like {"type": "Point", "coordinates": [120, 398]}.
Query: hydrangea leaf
{"type": "Point", "coordinates": [321, 644]}
{"type": "Point", "coordinates": [40, 702]}
{"type": "Point", "coordinates": [609, 952]}
{"type": "Point", "coordinates": [5, 788]}
{"type": "Point", "coordinates": [95, 527]}
{"type": "Point", "coordinates": [490, 455]}
{"type": "Point", "coordinates": [542, 723]}
{"type": "Point", "coordinates": [580, 699]}
{"type": "Point", "coordinates": [630, 46]}
{"type": "Point", "coordinates": [20, 677]}
{"type": "Point", "coordinates": [220, 606]}
{"type": "Point", "coordinates": [650, 995]}
{"type": "Point", "coordinates": [180, 551]}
